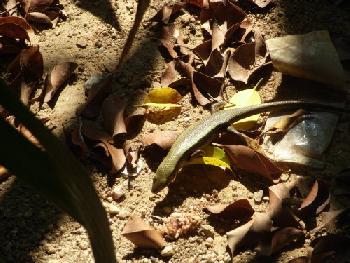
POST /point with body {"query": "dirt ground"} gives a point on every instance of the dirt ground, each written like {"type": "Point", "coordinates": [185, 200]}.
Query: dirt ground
{"type": "Point", "coordinates": [33, 230]}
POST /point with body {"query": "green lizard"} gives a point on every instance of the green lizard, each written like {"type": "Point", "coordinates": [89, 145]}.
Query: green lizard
{"type": "Point", "coordinates": [205, 130]}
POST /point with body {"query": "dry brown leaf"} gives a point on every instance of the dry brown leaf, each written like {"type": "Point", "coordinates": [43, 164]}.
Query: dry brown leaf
{"type": "Point", "coordinates": [169, 37]}
{"type": "Point", "coordinates": [15, 28]}
{"type": "Point", "coordinates": [167, 12]}
{"type": "Point", "coordinates": [142, 234]}
{"type": "Point", "coordinates": [112, 111]}
{"type": "Point", "coordinates": [238, 210]}
{"type": "Point", "coordinates": [38, 17]}
{"type": "Point", "coordinates": [163, 139]}
{"type": "Point", "coordinates": [286, 123]}
{"type": "Point", "coordinates": [238, 33]}
{"type": "Point", "coordinates": [304, 56]}
{"type": "Point", "coordinates": [94, 131]}
{"type": "Point", "coordinates": [56, 79]}
{"type": "Point", "coordinates": [9, 46]}
{"type": "Point", "coordinates": [246, 159]}
{"type": "Point", "coordinates": [115, 155]}
{"type": "Point", "coordinates": [317, 196]}
{"type": "Point", "coordinates": [100, 88]}
{"type": "Point", "coordinates": [280, 239]}
{"type": "Point", "coordinates": [134, 122]}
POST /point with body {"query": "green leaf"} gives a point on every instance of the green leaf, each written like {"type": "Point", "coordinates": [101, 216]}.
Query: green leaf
{"type": "Point", "coordinates": [54, 172]}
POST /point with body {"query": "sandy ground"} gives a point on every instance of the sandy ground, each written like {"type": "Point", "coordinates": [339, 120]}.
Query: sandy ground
{"type": "Point", "coordinates": [33, 230]}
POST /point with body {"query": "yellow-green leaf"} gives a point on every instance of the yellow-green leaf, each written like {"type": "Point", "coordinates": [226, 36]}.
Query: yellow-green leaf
{"type": "Point", "coordinates": [245, 98]}
{"type": "Point", "coordinates": [212, 155]}
{"type": "Point", "coordinates": [162, 95]}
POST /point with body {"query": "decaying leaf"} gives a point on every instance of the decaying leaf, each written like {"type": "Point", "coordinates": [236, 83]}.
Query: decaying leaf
{"type": "Point", "coordinates": [237, 210]}
{"type": "Point", "coordinates": [15, 27]}
{"type": "Point", "coordinates": [41, 11]}
{"type": "Point", "coordinates": [163, 139]}
{"type": "Point", "coordinates": [283, 125]}
{"type": "Point", "coordinates": [115, 155]}
{"type": "Point", "coordinates": [94, 131]}
{"type": "Point", "coordinates": [98, 88]}
{"type": "Point", "coordinates": [245, 98]}
{"type": "Point", "coordinates": [57, 78]}
{"type": "Point", "coordinates": [279, 239]}
{"type": "Point", "coordinates": [112, 112]}
{"type": "Point", "coordinates": [142, 234]}
{"type": "Point", "coordinates": [304, 56]}
{"type": "Point", "coordinates": [135, 121]}
{"type": "Point", "coordinates": [248, 160]}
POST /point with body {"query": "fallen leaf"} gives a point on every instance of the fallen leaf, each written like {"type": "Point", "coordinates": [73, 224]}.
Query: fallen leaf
{"type": "Point", "coordinates": [286, 123]}
{"type": "Point", "coordinates": [134, 122]}
{"type": "Point", "coordinates": [162, 95]}
{"type": "Point", "coordinates": [244, 98]}
{"type": "Point", "coordinates": [38, 17]}
{"type": "Point", "coordinates": [161, 112]}
{"type": "Point", "coordinates": [55, 80]}
{"type": "Point", "coordinates": [168, 12]}
{"type": "Point", "coordinates": [143, 235]}
{"type": "Point", "coordinates": [304, 55]}
{"type": "Point", "coordinates": [115, 155]}
{"type": "Point", "coordinates": [15, 28]}
{"type": "Point", "coordinates": [10, 46]}
{"type": "Point", "coordinates": [237, 210]}
{"type": "Point", "coordinates": [98, 88]}
{"type": "Point", "coordinates": [317, 196]}
{"type": "Point", "coordinates": [112, 111]}
{"type": "Point", "coordinates": [248, 160]}
{"type": "Point", "coordinates": [238, 33]}
{"type": "Point", "coordinates": [4, 174]}
{"type": "Point", "coordinates": [169, 39]}
{"type": "Point", "coordinates": [163, 139]}
{"type": "Point", "coordinates": [94, 131]}
{"type": "Point", "coordinates": [211, 155]}
{"type": "Point", "coordinates": [280, 239]}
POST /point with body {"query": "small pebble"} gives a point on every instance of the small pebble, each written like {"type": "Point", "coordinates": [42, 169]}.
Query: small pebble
{"type": "Point", "coordinates": [118, 193]}
{"type": "Point", "coordinates": [167, 251]}
{"type": "Point", "coordinates": [207, 231]}
{"type": "Point", "coordinates": [258, 196]}
{"type": "Point", "coordinates": [81, 43]}
{"type": "Point", "coordinates": [284, 177]}
{"type": "Point", "coordinates": [113, 210]}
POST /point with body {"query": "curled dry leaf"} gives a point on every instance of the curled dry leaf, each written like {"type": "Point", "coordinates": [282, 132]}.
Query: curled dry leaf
{"type": "Point", "coordinates": [238, 210]}
{"type": "Point", "coordinates": [317, 196]}
{"type": "Point", "coordinates": [134, 122]}
{"type": "Point", "coordinates": [304, 56]}
{"type": "Point", "coordinates": [163, 139]}
{"type": "Point", "coordinates": [55, 80]}
{"type": "Point", "coordinates": [15, 28]}
{"type": "Point", "coordinates": [142, 234]}
{"type": "Point", "coordinates": [279, 239]}
{"type": "Point", "coordinates": [38, 17]}
{"type": "Point", "coordinates": [246, 159]}
{"type": "Point", "coordinates": [98, 88]}
{"type": "Point", "coordinates": [94, 131]}
{"type": "Point", "coordinates": [115, 155]}
{"type": "Point", "coordinates": [167, 12]}
{"type": "Point", "coordinates": [170, 35]}
{"type": "Point", "coordinates": [286, 123]}
{"type": "Point", "coordinates": [112, 111]}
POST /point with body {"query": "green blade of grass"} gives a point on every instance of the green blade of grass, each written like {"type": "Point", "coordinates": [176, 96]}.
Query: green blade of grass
{"type": "Point", "coordinates": [54, 172]}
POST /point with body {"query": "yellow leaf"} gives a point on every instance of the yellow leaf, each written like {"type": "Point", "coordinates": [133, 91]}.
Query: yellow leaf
{"type": "Point", "coordinates": [162, 95]}
{"type": "Point", "coordinates": [244, 98]}
{"type": "Point", "coordinates": [212, 155]}
{"type": "Point", "coordinates": [161, 112]}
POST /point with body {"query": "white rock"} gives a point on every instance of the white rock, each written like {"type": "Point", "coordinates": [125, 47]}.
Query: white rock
{"type": "Point", "coordinates": [167, 251]}
{"type": "Point", "coordinates": [118, 193]}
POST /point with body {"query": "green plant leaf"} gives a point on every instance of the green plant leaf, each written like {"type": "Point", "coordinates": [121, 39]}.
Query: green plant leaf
{"type": "Point", "coordinates": [54, 172]}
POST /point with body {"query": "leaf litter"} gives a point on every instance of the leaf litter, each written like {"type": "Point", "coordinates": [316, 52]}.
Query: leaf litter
{"type": "Point", "coordinates": [232, 47]}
